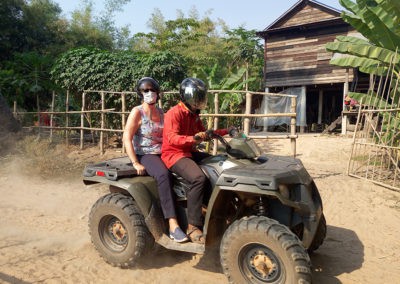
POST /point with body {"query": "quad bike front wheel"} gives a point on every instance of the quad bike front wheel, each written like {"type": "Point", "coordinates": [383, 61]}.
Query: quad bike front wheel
{"type": "Point", "coordinates": [260, 250]}
{"type": "Point", "coordinates": [118, 230]}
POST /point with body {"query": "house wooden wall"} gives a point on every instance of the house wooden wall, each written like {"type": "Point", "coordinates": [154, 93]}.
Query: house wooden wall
{"type": "Point", "coordinates": [295, 55]}
{"type": "Point", "coordinates": [295, 52]}
{"type": "Point", "coordinates": [300, 58]}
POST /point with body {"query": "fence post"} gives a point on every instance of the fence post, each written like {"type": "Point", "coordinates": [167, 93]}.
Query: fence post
{"type": "Point", "coordinates": [216, 111]}
{"type": "Point", "coordinates": [67, 118]}
{"type": "Point", "coordinates": [102, 124]}
{"type": "Point", "coordinates": [83, 120]}
{"type": "Point", "coordinates": [52, 115]}
{"type": "Point", "coordinates": [15, 110]}
{"type": "Point", "coordinates": [246, 126]}
{"type": "Point", "coordinates": [123, 98]}
{"type": "Point", "coordinates": [293, 126]}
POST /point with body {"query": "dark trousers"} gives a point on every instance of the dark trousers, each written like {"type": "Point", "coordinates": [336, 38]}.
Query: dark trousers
{"type": "Point", "coordinates": [188, 169]}
{"type": "Point", "coordinates": [156, 168]}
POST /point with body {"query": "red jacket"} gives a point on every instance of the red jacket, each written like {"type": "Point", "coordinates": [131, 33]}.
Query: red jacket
{"type": "Point", "coordinates": [180, 125]}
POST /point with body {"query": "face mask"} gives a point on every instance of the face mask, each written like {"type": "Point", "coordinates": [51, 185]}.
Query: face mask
{"type": "Point", "coordinates": [150, 97]}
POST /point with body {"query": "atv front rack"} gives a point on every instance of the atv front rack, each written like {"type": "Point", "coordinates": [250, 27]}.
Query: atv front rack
{"type": "Point", "coordinates": [111, 169]}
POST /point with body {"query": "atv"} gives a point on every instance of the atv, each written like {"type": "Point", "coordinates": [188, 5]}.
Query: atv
{"type": "Point", "coordinates": [263, 211]}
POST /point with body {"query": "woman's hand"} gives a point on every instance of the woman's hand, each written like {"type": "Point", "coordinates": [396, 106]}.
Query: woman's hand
{"type": "Point", "coordinates": [140, 169]}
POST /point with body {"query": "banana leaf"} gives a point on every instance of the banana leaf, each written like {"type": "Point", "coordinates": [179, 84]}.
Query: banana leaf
{"type": "Point", "coordinates": [369, 66]}
{"type": "Point", "coordinates": [369, 99]}
{"type": "Point", "coordinates": [360, 26]}
{"type": "Point", "coordinates": [357, 48]}
{"type": "Point", "coordinates": [386, 36]}
{"type": "Point", "coordinates": [392, 7]}
{"type": "Point", "coordinates": [386, 12]}
{"type": "Point", "coordinates": [352, 39]}
{"type": "Point", "coordinates": [234, 80]}
{"type": "Point", "coordinates": [351, 6]}
{"type": "Point", "coordinates": [368, 17]}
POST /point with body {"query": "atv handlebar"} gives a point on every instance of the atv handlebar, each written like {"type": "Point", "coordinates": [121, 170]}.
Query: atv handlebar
{"type": "Point", "coordinates": [212, 135]}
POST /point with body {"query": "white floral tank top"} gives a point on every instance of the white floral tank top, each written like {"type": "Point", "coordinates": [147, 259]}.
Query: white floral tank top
{"type": "Point", "coordinates": [148, 137]}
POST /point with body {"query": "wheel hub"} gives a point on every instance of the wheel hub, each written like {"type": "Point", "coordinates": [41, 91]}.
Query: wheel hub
{"type": "Point", "coordinates": [118, 231]}
{"type": "Point", "coordinates": [263, 264]}
{"type": "Point", "coordinates": [259, 264]}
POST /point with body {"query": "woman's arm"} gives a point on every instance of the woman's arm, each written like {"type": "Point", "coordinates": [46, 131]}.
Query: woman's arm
{"type": "Point", "coordinates": [132, 125]}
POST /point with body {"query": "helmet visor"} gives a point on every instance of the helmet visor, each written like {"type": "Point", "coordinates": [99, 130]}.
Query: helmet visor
{"type": "Point", "coordinates": [196, 98]}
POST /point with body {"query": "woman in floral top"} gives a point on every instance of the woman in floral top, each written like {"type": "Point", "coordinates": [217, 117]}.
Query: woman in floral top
{"type": "Point", "coordinates": [143, 139]}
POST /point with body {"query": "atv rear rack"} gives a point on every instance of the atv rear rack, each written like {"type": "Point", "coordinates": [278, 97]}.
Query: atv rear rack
{"type": "Point", "coordinates": [111, 169]}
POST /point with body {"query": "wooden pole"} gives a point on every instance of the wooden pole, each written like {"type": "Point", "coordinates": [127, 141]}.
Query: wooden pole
{"type": "Point", "coordinates": [102, 124]}
{"type": "Point", "coordinates": [246, 126]}
{"type": "Point", "coordinates": [82, 139]}
{"type": "Point", "coordinates": [38, 115]}
{"type": "Point", "coordinates": [53, 95]}
{"type": "Point", "coordinates": [293, 126]}
{"type": "Point", "coordinates": [123, 99]}
{"type": "Point", "coordinates": [320, 104]}
{"type": "Point", "coordinates": [15, 110]}
{"type": "Point", "coordinates": [67, 118]}
{"type": "Point", "coordinates": [216, 110]}
{"type": "Point", "coordinates": [345, 92]}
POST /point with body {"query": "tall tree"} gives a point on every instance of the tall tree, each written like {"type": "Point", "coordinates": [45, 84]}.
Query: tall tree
{"type": "Point", "coordinates": [195, 38]}
{"type": "Point", "coordinates": [41, 18]}
{"type": "Point", "coordinates": [246, 51]}
{"type": "Point", "coordinates": [87, 29]}
{"type": "Point", "coordinates": [11, 27]}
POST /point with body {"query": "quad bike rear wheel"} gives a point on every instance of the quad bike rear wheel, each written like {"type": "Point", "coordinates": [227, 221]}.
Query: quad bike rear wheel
{"type": "Point", "coordinates": [260, 250]}
{"type": "Point", "coordinates": [118, 230]}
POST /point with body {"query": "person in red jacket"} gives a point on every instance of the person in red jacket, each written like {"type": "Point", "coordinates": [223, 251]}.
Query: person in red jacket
{"type": "Point", "coordinates": [183, 131]}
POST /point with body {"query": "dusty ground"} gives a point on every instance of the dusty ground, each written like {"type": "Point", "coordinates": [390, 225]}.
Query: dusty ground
{"type": "Point", "coordinates": [44, 212]}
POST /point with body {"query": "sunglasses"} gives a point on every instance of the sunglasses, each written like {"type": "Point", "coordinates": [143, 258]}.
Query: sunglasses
{"type": "Point", "coordinates": [149, 90]}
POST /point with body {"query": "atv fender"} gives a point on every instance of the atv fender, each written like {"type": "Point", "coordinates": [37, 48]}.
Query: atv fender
{"type": "Point", "coordinates": [144, 191]}
{"type": "Point", "coordinates": [310, 213]}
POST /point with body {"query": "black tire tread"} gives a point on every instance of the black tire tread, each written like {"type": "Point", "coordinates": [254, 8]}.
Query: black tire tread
{"type": "Point", "coordinates": [288, 241]}
{"type": "Point", "coordinates": [129, 207]}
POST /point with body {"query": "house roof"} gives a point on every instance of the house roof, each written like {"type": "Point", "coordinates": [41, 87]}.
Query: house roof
{"type": "Point", "coordinates": [330, 14]}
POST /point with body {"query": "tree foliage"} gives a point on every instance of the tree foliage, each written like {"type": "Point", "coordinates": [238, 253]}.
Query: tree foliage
{"type": "Point", "coordinates": [90, 52]}
{"type": "Point", "coordinates": [94, 69]}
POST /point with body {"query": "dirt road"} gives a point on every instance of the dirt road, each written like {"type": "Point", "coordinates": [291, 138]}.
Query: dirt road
{"type": "Point", "coordinates": [44, 236]}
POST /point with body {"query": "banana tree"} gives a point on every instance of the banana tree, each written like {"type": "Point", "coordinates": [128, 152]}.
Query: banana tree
{"type": "Point", "coordinates": [376, 52]}
{"type": "Point", "coordinates": [378, 21]}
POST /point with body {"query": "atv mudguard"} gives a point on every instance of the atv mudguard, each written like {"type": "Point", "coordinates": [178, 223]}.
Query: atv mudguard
{"type": "Point", "coordinates": [143, 190]}
{"type": "Point", "coordinates": [308, 210]}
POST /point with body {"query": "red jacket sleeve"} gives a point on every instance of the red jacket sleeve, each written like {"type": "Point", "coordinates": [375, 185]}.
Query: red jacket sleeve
{"type": "Point", "coordinates": [173, 131]}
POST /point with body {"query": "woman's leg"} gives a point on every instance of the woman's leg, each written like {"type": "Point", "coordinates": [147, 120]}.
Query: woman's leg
{"type": "Point", "coordinates": [156, 168]}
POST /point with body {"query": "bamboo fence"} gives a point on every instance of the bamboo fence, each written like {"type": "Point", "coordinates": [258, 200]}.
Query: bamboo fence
{"type": "Point", "coordinates": [104, 112]}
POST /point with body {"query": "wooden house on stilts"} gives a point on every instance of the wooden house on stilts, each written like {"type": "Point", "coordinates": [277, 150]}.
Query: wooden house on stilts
{"type": "Point", "coordinates": [295, 58]}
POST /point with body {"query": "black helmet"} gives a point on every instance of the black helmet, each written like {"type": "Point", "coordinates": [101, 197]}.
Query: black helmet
{"type": "Point", "coordinates": [194, 93]}
{"type": "Point", "coordinates": [150, 81]}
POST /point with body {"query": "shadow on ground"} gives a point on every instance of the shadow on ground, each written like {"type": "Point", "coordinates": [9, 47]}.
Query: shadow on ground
{"type": "Point", "coordinates": [342, 252]}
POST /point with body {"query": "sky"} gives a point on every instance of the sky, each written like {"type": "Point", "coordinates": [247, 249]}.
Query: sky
{"type": "Point", "coordinates": [250, 14]}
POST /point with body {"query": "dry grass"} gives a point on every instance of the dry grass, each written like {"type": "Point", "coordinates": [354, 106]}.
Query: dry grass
{"type": "Point", "coordinates": [47, 159]}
